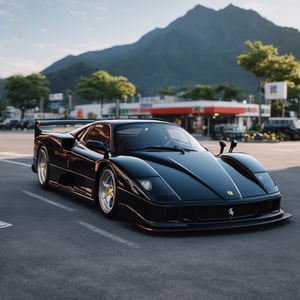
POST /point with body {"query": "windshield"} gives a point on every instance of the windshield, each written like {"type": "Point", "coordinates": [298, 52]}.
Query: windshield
{"type": "Point", "coordinates": [154, 136]}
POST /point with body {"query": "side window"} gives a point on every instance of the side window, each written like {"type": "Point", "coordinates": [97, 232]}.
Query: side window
{"type": "Point", "coordinates": [99, 132]}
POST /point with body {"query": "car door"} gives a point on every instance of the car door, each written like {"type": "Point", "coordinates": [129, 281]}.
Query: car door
{"type": "Point", "coordinates": [83, 161]}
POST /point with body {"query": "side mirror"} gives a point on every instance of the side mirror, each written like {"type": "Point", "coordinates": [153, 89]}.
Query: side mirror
{"type": "Point", "coordinates": [233, 145]}
{"type": "Point", "coordinates": [222, 144]}
{"type": "Point", "coordinates": [68, 143]}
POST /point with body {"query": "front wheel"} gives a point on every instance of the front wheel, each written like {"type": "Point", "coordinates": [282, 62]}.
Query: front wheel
{"type": "Point", "coordinates": [107, 193]}
{"type": "Point", "coordinates": [43, 168]}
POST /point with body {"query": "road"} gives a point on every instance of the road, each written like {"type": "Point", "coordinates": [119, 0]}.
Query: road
{"type": "Point", "coordinates": [54, 246]}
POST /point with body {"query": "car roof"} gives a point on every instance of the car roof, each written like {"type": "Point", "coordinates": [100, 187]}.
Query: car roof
{"type": "Point", "coordinates": [116, 122]}
{"type": "Point", "coordinates": [128, 121]}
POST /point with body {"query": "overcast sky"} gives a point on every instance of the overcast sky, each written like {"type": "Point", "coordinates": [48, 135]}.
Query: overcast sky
{"type": "Point", "coordinates": [36, 33]}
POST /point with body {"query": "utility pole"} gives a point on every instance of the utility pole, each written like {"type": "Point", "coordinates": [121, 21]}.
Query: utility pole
{"type": "Point", "coordinates": [260, 86]}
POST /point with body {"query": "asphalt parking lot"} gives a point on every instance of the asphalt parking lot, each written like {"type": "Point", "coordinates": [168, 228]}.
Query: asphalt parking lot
{"type": "Point", "coordinates": [54, 246]}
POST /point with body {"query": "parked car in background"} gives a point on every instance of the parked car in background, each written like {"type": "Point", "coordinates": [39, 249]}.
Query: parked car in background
{"type": "Point", "coordinates": [9, 123]}
{"type": "Point", "coordinates": [26, 124]}
{"type": "Point", "coordinates": [227, 132]}
{"type": "Point", "coordinates": [287, 128]}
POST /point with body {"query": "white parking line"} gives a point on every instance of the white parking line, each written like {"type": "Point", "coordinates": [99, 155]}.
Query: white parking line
{"type": "Point", "coordinates": [49, 201]}
{"type": "Point", "coordinates": [282, 150]}
{"type": "Point", "coordinates": [15, 162]}
{"type": "Point", "coordinates": [12, 154]}
{"type": "Point", "coordinates": [109, 235]}
{"type": "Point", "coordinates": [4, 224]}
{"type": "Point", "coordinates": [86, 225]}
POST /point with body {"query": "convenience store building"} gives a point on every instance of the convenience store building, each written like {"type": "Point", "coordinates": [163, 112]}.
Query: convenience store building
{"type": "Point", "coordinates": [196, 116]}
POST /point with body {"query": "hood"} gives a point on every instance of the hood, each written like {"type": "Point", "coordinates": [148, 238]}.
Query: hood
{"type": "Point", "coordinates": [195, 175]}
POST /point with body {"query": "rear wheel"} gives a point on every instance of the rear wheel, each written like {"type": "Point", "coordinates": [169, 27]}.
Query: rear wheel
{"type": "Point", "coordinates": [107, 193]}
{"type": "Point", "coordinates": [43, 168]}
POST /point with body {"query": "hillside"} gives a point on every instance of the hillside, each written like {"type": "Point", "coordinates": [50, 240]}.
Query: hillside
{"type": "Point", "coordinates": [200, 47]}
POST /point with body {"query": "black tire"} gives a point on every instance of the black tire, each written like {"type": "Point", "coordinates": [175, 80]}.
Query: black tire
{"type": "Point", "coordinates": [43, 168]}
{"type": "Point", "coordinates": [106, 196]}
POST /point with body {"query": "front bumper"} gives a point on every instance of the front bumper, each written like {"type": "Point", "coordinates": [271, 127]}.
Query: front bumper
{"type": "Point", "coordinates": [215, 225]}
{"type": "Point", "coordinates": [157, 218]}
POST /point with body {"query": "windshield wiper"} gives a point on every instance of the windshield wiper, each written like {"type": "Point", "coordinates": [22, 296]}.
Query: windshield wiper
{"type": "Point", "coordinates": [166, 148]}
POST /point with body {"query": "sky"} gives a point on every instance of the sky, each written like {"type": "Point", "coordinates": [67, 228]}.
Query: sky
{"type": "Point", "coordinates": [36, 33]}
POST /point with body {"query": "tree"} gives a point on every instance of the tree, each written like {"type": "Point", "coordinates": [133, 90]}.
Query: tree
{"type": "Point", "coordinates": [283, 68]}
{"type": "Point", "coordinates": [276, 108]}
{"type": "Point", "coordinates": [167, 92]}
{"type": "Point", "coordinates": [101, 86]}
{"type": "Point", "coordinates": [120, 88]}
{"type": "Point", "coordinates": [95, 87]}
{"type": "Point", "coordinates": [200, 91]}
{"type": "Point", "coordinates": [294, 99]}
{"type": "Point", "coordinates": [84, 88]}
{"type": "Point", "coordinates": [229, 92]}
{"type": "Point", "coordinates": [257, 58]}
{"type": "Point", "coordinates": [25, 92]}
{"type": "Point", "coordinates": [265, 63]}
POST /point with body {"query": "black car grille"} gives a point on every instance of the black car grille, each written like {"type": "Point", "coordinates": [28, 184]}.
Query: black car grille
{"type": "Point", "coordinates": [224, 212]}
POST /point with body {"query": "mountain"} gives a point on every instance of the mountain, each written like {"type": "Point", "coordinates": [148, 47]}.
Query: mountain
{"type": "Point", "coordinates": [200, 47]}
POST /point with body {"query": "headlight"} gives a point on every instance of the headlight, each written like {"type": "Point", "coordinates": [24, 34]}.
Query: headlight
{"type": "Point", "coordinates": [146, 184]}
{"type": "Point", "coordinates": [155, 186]}
{"type": "Point", "coordinates": [267, 182]}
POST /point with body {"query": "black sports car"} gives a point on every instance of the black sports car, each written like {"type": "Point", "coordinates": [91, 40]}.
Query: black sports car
{"type": "Point", "coordinates": [157, 173]}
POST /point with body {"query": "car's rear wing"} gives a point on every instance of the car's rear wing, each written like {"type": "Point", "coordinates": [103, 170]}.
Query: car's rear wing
{"type": "Point", "coordinates": [62, 125]}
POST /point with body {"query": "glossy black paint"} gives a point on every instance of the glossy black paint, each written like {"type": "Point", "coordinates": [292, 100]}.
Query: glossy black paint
{"type": "Point", "coordinates": [192, 189]}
